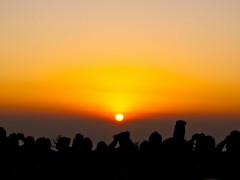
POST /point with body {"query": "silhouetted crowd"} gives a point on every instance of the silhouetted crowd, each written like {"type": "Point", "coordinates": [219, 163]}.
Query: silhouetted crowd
{"type": "Point", "coordinates": [172, 158]}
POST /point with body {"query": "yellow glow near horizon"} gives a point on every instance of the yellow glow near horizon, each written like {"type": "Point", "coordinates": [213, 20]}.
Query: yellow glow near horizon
{"type": "Point", "coordinates": [96, 91]}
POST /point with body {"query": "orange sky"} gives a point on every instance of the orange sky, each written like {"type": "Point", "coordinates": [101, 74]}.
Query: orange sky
{"type": "Point", "coordinates": [131, 57]}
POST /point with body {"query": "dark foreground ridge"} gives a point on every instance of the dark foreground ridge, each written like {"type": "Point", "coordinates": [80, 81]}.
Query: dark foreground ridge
{"type": "Point", "coordinates": [173, 158]}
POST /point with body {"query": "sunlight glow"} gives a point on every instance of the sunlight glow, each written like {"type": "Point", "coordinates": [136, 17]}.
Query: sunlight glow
{"type": "Point", "coordinates": [119, 117]}
{"type": "Point", "coordinates": [91, 58]}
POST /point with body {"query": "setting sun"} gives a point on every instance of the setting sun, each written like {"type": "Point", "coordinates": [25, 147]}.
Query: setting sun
{"type": "Point", "coordinates": [119, 117]}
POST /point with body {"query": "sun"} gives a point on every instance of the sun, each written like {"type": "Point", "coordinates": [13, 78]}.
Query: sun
{"type": "Point", "coordinates": [119, 117]}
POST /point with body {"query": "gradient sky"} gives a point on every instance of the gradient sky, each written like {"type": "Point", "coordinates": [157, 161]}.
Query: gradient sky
{"type": "Point", "coordinates": [92, 59]}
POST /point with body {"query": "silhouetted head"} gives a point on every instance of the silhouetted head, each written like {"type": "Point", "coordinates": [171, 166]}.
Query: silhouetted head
{"type": "Point", "coordinates": [155, 137]}
{"type": "Point", "coordinates": [3, 133]}
{"type": "Point", "coordinates": [209, 143]}
{"type": "Point", "coordinates": [102, 146]}
{"type": "Point", "coordinates": [29, 141]}
{"type": "Point", "coordinates": [144, 146]}
{"type": "Point", "coordinates": [48, 144]}
{"type": "Point", "coordinates": [40, 141]}
{"type": "Point", "coordinates": [179, 131]}
{"type": "Point", "coordinates": [235, 135]}
{"type": "Point", "coordinates": [78, 141]}
{"type": "Point", "coordinates": [233, 141]}
{"type": "Point", "coordinates": [180, 123]}
{"type": "Point", "coordinates": [63, 143]}
{"type": "Point", "coordinates": [43, 144]}
{"type": "Point", "coordinates": [13, 140]}
{"type": "Point", "coordinates": [199, 140]}
{"type": "Point", "coordinates": [88, 144]}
